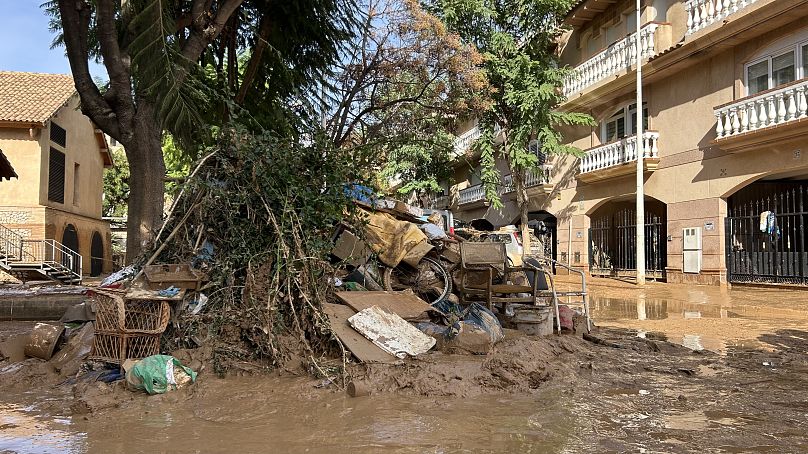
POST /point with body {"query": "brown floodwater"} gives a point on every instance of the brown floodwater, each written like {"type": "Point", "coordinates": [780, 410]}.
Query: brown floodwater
{"type": "Point", "coordinates": [631, 405]}
{"type": "Point", "coordinates": [288, 415]}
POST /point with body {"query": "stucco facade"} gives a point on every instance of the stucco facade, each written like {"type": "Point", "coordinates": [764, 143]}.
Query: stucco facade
{"type": "Point", "coordinates": [27, 207]}
{"type": "Point", "coordinates": [695, 74]}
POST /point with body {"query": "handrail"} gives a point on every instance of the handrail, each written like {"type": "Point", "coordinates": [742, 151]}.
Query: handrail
{"type": "Point", "coordinates": [52, 252]}
{"type": "Point", "coordinates": [11, 243]}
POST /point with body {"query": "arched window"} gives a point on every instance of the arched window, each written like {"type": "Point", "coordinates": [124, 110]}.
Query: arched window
{"type": "Point", "coordinates": [622, 123]}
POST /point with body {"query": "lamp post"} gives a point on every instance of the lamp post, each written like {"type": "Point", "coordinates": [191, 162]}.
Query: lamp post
{"type": "Point", "coordinates": [640, 151]}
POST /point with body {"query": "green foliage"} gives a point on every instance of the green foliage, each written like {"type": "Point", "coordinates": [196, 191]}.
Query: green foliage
{"type": "Point", "coordinates": [516, 38]}
{"type": "Point", "coordinates": [116, 185]}
{"type": "Point", "coordinates": [160, 70]}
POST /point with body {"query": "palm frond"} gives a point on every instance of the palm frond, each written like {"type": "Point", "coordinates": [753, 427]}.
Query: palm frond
{"type": "Point", "coordinates": [160, 71]}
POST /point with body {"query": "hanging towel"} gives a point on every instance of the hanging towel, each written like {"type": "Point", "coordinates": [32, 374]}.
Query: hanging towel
{"type": "Point", "coordinates": [764, 221]}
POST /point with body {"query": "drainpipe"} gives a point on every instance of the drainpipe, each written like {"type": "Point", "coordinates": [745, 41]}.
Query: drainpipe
{"type": "Point", "coordinates": [640, 150]}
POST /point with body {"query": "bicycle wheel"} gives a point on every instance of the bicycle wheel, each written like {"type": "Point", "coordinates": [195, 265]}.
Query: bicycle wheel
{"type": "Point", "coordinates": [429, 280]}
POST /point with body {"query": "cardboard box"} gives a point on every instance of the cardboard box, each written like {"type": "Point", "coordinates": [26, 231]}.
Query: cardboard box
{"type": "Point", "coordinates": [417, 253]}
{"type": "Point", "coordinates": [350, 248]}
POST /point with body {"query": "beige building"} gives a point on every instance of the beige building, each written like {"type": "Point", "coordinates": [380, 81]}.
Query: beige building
{"type": "Point", "coordinates": [59, 157]}
{"type": "Point", "coordinates": [724, 149]}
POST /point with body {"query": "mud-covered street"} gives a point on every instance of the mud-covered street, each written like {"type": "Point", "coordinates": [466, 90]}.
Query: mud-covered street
{"type": "Point", "coordinates": [737, 385]}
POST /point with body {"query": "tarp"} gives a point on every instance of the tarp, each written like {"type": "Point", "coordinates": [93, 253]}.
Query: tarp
{"type": "Point", "coordinates": [395, 240]}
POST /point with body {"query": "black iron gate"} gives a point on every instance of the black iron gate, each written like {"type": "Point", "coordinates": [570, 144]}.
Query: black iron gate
{"type": "Point", "coordinates": [613, 244]}
{"type": "Point", "coordinates": [765, 235]}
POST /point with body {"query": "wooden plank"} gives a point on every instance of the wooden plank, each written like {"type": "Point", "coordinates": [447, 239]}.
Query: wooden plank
{"type": "Point", "coordinates": [363, 349]}
{"type": "Point", "coordinates": [404, 304]}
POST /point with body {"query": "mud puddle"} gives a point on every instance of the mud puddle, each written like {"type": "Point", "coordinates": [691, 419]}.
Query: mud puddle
{"type": "Point", "coordinates": [699, 317]}
{"type": "Point", "coordinates": [289, 415]}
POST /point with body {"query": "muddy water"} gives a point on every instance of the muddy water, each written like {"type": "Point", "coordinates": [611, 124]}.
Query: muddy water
{"type": "Point", "coordinates": [287, 415]}
{"type": "Point", "coordinates": [699, 317]}
{"type": "Point", "coordinates": [734, 402]}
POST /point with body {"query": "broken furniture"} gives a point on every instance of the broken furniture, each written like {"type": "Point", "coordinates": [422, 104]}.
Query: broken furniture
{"type": "Point", "coordinates": [481, 264]}
{"type": "Point", "coordinates": [180, 275]}
{"type": "Point", "coordinates": [574, 297]}
{"type": "Point", "coordinates": [127, 328]}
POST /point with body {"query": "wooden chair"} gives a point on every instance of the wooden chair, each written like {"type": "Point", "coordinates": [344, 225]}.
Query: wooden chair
{"type": "Point", "coordinates": [481, 264]}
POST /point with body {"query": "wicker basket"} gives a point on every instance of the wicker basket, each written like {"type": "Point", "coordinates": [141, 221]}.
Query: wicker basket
{"type": "Point", "coordinates": [114, 315]}
{"type": "Point", "coordinates": [117, 347]}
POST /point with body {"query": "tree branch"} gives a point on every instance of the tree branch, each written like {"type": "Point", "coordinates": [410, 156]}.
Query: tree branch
{"type": "Point", "coordinates": [76, 16]}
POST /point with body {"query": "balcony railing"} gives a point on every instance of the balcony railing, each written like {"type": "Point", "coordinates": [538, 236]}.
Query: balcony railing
{"type": "Point", "coordinates": [472, 194]}
{"type": "Point", "coordinates": [533, 178]}
{"type": "Point", "coordinates": [620, 152]}
{"type": "Point", "coordinates": [771, 108]}
{"type": "Point", "coordinates": [618, 56]}
{"type": "Point", "coordinates": [464, 141]}
{"type": "Point", "coordinates": [702, 13]}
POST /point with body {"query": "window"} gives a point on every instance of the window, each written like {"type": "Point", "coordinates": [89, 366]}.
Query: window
{"type": "Point", "coordinates": [783, 69]}
{"type": "Point", "coordinates": [621, 124]}
{"type": "Point", "coordinates": [631, 22]}
{"type": "Point", "coordinates": [58, 135]}
{"type": "Point", "coordinates": [56, 176]}
{"type": "Point", "coordinates": [757, 77]}
{"type": "Point", "coordinates": [535, 148]}
{"type": "Point", "coordinates": [591, 46]}
{"type": "Point", "coordinates": [75, 184]}
{"type": "Point", "coordinates": [778, 69]}
{"type": "Point", "coordinates": [804, 58]}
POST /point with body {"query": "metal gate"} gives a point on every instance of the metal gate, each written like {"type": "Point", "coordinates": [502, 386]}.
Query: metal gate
{"type": "Point", "coordinates": [613, 245]}
{"type": "Point", "coordinates": [765, 237]}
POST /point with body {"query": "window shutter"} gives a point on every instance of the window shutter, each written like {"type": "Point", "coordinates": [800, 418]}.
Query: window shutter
{"type": "Point", "coordinates": [58, 135]}
{"type": "Point", "coordinates": [56, 176]}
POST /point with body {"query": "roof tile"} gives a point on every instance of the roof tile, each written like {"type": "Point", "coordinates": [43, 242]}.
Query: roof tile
{"type": "Point", "coordinates": [33, 97]}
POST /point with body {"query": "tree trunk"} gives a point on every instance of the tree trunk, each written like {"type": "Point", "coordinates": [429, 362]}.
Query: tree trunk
{"type": "Point", "coordinates": [146, 187]}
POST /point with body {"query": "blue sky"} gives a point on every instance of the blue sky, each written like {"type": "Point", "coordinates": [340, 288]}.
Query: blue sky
{"type": "Point", "coordinates": [25, 41]}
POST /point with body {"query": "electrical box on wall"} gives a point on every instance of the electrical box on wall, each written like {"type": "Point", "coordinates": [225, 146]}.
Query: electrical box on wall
{"type": "Point", "coordinates": [691, 249]}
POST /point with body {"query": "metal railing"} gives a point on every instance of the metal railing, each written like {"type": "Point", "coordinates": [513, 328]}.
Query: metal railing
{"type": "Point", "coordinates": [54, 254]}
{"type": "Point", "coordinates": [11, 246]}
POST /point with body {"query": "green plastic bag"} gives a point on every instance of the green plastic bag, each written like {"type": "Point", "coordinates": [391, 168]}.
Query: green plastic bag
{"type": "Point", "coordinates": [159, 373]}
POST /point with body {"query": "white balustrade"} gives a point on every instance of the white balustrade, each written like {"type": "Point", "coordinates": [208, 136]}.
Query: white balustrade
{"type": "Point", "coordinates": [464, 141]}
{"type": "Point", "coordinates": [770, 108]}
{"type": "Point", "coordinates": [472, 194]}
{"type": "Point", "coordinates": [618, 56]}
{"type": "Point", "coordinates": [701, 13]}
{"type": "Point", "coordinates": [620, 152]}
{"type": "Point", "coordinates": [533, 178]}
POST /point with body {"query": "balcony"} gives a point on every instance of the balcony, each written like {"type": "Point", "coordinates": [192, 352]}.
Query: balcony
{"type": "Point", "coordinates": [773, 115]}
{"type": "Point", "coordinates": [612, 159]}
{"type": "Point", "coordinates": [463, 141]}
{"type": "Point", "coordinates": [617, 57]}
{"type": "Point", "coordinates": [702, 13]}
{"type": "Point", "coordinates": [472, 194]}
{"type": "Point", "coordinates": [539, 178]}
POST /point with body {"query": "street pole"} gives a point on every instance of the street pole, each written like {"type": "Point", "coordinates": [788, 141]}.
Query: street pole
{"type": "Point", "coordinates": [640, 150]}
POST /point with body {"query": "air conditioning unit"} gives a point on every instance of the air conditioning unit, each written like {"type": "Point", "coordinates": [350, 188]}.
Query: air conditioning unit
{"type": "Point", "coordinates": [691, 249]}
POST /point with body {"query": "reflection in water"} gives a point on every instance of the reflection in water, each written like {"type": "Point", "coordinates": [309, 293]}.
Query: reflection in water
{"type": "Point", "coordinates": [692, 342]}
{"type": "Point", "coordinates": [21, 430]}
